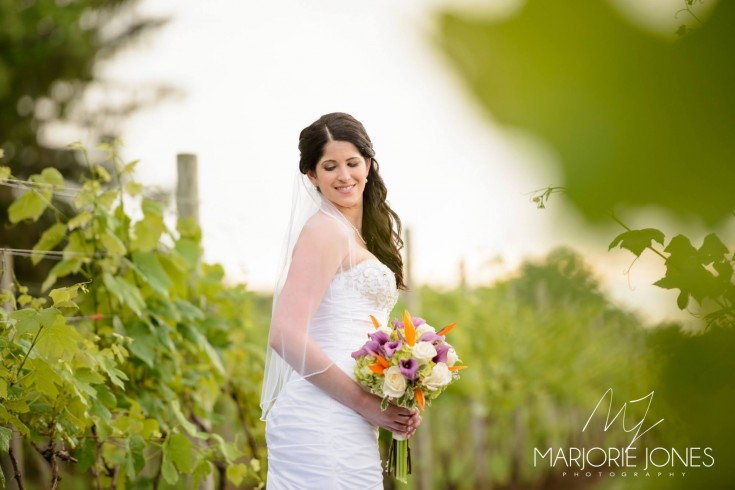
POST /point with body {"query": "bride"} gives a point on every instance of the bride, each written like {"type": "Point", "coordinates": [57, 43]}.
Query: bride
{"type": "Point", "coordinates": [341, 265]}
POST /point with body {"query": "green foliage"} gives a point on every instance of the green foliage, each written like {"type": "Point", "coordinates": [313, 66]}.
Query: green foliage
{"type": "Point", "coordinates": [704, 274]}
{"type": "Point", "coordinates": [542, 347]}
{"type": "Point", "coordinates": [48, 54]}
{"type": "Point", "coordinates": [634, 119]}
{"type": "Point", "coordinates": [133, 370]}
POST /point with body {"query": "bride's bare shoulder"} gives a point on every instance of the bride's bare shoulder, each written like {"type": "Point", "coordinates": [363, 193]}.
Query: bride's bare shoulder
{"type": "Point", "coordinates": [322, 229]}
{"type": "Point", "coordinates": [324, 224]}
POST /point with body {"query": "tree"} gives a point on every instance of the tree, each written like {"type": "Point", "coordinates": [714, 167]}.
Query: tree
{"type": "Point", "coordinates": [48, 53]}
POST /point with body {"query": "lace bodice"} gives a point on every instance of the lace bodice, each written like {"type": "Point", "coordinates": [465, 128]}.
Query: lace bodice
{"type": "Point", "coordinates": [374, 280]}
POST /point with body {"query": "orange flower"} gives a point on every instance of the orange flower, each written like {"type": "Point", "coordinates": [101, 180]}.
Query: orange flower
{"type": "Point", "coordinates": [375, 322]}
{"type": "Point", "coordinates": [376, 368]}
{"type": "Point", "coordinates": [381, 361]}
{"type": "Point", "coordinates": [446, 329]}
{"type": "Point", "coordinates": [408, 329]}
{"type": "Point", "coordinates": [420, 398]}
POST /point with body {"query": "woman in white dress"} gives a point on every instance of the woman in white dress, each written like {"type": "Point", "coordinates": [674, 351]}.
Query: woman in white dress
{"type": "Point", "coordinates": [341, 264]}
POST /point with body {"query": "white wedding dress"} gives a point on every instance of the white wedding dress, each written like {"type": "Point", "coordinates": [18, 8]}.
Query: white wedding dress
{"type": "Point", "coordinates": [315, 442]}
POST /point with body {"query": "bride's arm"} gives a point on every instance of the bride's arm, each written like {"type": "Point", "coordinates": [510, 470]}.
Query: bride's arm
{"type": "Point", "coordinates": [317, 255]}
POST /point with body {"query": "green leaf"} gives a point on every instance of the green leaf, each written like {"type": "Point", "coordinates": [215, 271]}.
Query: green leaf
{"type": "Point", "coordinates": [58, 339]}
{"type": "Point", "coordinates": [61, 269]}
{"type": "Point", "coordinates": [201, 470]}
{"type": "Point", "coordinates": [87, 454]}
{"type": "Point", "coordinates": [712, 250]}
{"type": "Point", "coordinates": [4, 171]}
{"type": "Point", "coordinates": [49, 239]}
{"type": "Point", "coordinates": [106, 396]}
{"type": "Point", "coordinates": [43, 379]}
{"type": "Point", "coordinates": [133, 188]}
{"type": "Point", "coordinates": [108, 198]}
{"type": "Point", "coordinates": [190, 428]}
{"type": "Point", "coordinates": [189, 311]}
{"type": "Point", "coordinates": [147, 233]}
{"type": "Point", "coordinates": [49, 175]}
{"type": "Point", "coordinates": [117, 377]}
{"type": "Point", "coordinates": [30, 205]}
{"type": "Point", "coordinates": [637, 240]}
{"type": "Point", "coordinates": [168, 470]}
{"type": "Point", "coordinates": [681, 246]}
{"type": "Point", "coordinates": [144, 342]}
{"type": "Point", "coordinates": [134, 458]}
{"type": "Point", "coordinates": [152, 271]}
{"type": "Point", "coordinates": [188, 228]}
{"type": "Point", "coordinates": [63, 297]}
{"type": "Point", "coordinates": [236, 473]}
{"type": "Point", "coordinates": [102, 172]}
{"type": "Point", "coordinates": [26, 320]}
{"type": "Point", "coordinates": [179, 449]}
{"type": "Point", "coordinates": [189, 250]}
{"type": "Point", "coordinates": [125, 292]}
{"type": "Point", "coordinates": [152, 207]}
{"type": "Point", "coordinates": [5, 435]}
{"type": "Point", "coordinates": [129, 167]}
{"type": "Point", "coordinates": [229, 451]}
{"type": "Point", "coordinates": [112, 243]}
{"type": "Point", "coordinates": [80, 220]}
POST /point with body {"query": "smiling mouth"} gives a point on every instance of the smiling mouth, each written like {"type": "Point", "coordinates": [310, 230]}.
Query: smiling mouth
{"type": "Point", "coordinates": [345, 188]}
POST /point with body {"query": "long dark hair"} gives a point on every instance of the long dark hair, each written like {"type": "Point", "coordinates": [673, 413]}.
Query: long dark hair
{"type": "Point", "coordinates": [381, 226]}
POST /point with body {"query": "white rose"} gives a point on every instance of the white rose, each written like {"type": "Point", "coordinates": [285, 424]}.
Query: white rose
{"type": "Point", "coordinates": [423, 352]}
{"type": "Point", "coordinates": [440, 376]}
{"type": "Point", "coordinates": [452, 357]}
{"type": "Point", "coordinates": [394, 384]}
{"type": "Point", "coordinates": [423, 328]}
{"type": "Point", "coordinates": [385, 329]}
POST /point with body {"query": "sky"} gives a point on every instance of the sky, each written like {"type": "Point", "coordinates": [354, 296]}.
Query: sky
{"type": "Point", "coordinates": [253, 74]}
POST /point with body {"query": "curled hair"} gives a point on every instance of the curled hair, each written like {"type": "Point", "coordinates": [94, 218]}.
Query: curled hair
{"type": "Point", "coordinates": [381, 226]}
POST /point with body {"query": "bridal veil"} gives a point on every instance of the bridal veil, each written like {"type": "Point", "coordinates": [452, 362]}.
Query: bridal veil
{"type": "Point", "coordinates": [319, 243]}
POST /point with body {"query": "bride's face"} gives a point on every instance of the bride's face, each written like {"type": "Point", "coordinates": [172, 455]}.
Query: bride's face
{"type": "Point", "coordinates": [340, 174]}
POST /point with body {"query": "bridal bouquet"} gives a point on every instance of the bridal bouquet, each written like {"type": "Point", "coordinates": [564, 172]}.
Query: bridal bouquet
{"type": "Point", "coordinates": [410, 364]}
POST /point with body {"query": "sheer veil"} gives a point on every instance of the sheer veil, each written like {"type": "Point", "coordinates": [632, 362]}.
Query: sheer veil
{"type": "Point", "coordinates": [319, 243]}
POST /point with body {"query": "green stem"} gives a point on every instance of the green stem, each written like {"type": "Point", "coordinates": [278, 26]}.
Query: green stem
{"type": "Point", "coordinates": [35, 339]}
{"type": "Point", "coordinates": [401, 473]}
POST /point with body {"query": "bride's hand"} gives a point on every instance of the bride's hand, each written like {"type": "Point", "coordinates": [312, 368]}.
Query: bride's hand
{"type": "Point", "coordinates": [396, 419]}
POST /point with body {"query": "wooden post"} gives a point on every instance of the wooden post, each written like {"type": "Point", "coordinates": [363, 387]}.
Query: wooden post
{"type": "Point", "coordinates": [6, 279]}
{"type": "Point", "coordinates": [187, 186]}
{"type": "Point", "coordinates": [421, 442]}
{"type": "Point", "coordinates": [187, 206]}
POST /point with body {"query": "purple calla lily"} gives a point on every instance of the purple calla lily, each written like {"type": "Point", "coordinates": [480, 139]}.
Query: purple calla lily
{"type": "Point", "coordinates": [380, 337]}
{"type": "Point", "coordinates": [409, 367]}
{"type": "Point", "coordinates": [431, 337]}
{"type": "Point", "coordinates": [441, 353]}
{"type": "Point", "coordinates": [417, 321]}
{"type": "Point", "coordinates": [391, 347]}
{"type": "Point", "coordinates": [371, 347]}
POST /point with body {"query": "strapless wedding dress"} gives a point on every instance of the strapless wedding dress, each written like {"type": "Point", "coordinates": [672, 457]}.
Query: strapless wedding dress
{"type": "Point", "coordinates": [315, 442]}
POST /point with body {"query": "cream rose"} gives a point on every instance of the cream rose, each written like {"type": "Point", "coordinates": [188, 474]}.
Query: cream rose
{"type": "Point", "coordinates": [452, 357]}
{"type": "Point", "coordinates": [394, 384]}
{"type": "Point", "coordinates": [423, 328]}
{"type": "Point", "coordinates": [423, 352]}
{"type": "Point", "coordinates": [440, 376]}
